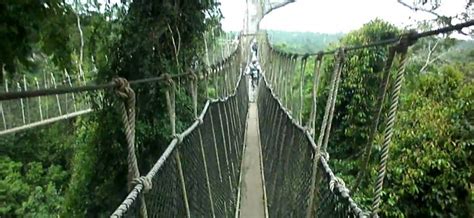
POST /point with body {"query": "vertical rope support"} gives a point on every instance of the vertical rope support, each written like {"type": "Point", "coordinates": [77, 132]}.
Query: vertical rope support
{"type": "Point", "coordinates": [378, 112]}
{"type": "Point", "coordinates": [389, 127]}
{"type": "Point", "coordinates": [72, 94]}
{"type": "Point", "coordinates": [312, 201]}
{"type": "Point", "coordinates": [295, 82]}
{"type": "Point", "coordinates": [171, 103]}
{"type": "Point", "coordinates": [340, 62]}
{"type": "Point", "coordinates": [206, 82]}
{"type": "Point", "coordinates": [193, 87]}
{"type": "Point", "coordinates": [314, 93]}
{"type": "Point", "coordinates": [290, 73]}
{"type": "Point", "coordinates": [127, 109]}
{"type": "Point", "coordinates": [194, 90]}
{"type": "Point", "coordinates": [53, 80]}
{"type": "Point", "coordinates": [281, 78]}
{"type": "Point", "coordinates": [303, 69]}
{"type": "Point", "coordinates": [278, 74]}
{"type": "Point", "coordinates": [214, 78]}
{"type": "Point", "coordinates": [25, 87]}
{"type": "Point", "coordinates": [289, 83]}
{"type": "Point", "coordinates": [40, 108]}
{"type": "Point", "coordinates": [23, 105]}
{"type": "Point", "coordinates": [3, 117]}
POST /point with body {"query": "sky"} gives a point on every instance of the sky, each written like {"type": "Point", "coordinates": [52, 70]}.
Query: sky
{"type": "Point", "coordinates": [333, 16]}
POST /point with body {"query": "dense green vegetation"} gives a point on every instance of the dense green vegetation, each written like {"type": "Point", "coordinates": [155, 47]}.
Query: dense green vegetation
{"type": "Point", "coordinates": [302, 42]}
{"type": "Point", "coordinates": [77, 167]}
{"type": "Point", "coordinates": [431, 164]}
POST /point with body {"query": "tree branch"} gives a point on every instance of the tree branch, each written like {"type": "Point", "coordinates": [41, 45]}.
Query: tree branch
{"type": "Point", "coordinates": [278, 6]}
{"type": "Point", "coordinates": [175, 46]}
{"type": "Point", "coordinates": [81, 50]}
{"type": "Point", "coordinates": [420, 9]}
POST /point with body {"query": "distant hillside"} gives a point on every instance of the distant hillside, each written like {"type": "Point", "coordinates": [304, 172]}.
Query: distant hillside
{"type": "Point", "coordinates": [462, 51]}
{"type": "Point", "coordinates": [302, 42]}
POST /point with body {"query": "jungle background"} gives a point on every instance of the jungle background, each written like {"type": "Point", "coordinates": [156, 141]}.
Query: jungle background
{"type": "Point", "coordinates": [77, 167]}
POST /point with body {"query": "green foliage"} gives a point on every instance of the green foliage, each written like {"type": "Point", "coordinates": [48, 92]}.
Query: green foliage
{"type": "Point", "coordinates": [433, 171]}
{"type": "Point", "coordinates": [302, 42]}
{"type": "Point", "coordinates": [157, 37]}
{"type": "Point", "coordinates": [360, 79]}
{"type": "Point", "coordinates": [430, 170]}
{"type": "Point", "coordinates": [431, 164]}
{"type": "Point", "coordinates": [29, 26]}
{"type": "Point", "coordinates": [79, 169]}
{"type": "Point", "coordinates": [33, 171]}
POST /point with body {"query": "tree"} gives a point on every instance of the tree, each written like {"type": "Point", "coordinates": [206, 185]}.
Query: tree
{"type": "Point", "coordinates": [29, 27]}
{"type": "Point", "coordinates": [158, 37]}
{"type": "Point", "coordinates": [431, 7]}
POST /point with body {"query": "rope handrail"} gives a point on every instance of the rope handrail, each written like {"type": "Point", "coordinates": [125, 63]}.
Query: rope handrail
{"type": "Point", "coordinates": [95, 87]}
{"type": "Point", "coordinates": [413, 36]}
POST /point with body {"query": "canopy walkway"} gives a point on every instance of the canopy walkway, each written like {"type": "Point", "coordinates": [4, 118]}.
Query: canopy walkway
{"type": "Point", "coordinates": [262, 158]}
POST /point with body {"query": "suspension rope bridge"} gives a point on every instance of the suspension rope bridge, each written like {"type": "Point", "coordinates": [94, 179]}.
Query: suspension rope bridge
{"type": "Point", "coordinates": [201, 171]}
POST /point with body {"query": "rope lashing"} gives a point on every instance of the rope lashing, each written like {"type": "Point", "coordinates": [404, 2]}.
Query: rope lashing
{"type": "Point", "coordinates": [401, 48]}
{"type": "Point", "coordinates": [335, 181]}
{"type": "Point", "coordinates": [145, 181]}
{"type": "Point", "coordinates": [336, 184]}
{"type": "Point", "coordinates": [127, 108]}
{"type": "Point", "coordinates": [378, 112]}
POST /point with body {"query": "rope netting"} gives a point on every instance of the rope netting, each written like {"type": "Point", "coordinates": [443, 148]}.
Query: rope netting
{"type": "Point", "coordinates": [288, 154]}
{"type": "Point", "coordinates": [198, 174]}
{"type": "Point", "coordinates": [287, 139]}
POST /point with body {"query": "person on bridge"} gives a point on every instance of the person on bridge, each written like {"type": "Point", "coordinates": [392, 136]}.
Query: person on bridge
{"type": "Point", "coordinates": [254, 48]}
{"type": "Point", "coordinates": [254, 71]}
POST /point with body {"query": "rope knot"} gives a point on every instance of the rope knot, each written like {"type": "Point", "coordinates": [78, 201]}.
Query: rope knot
{"type": "Point", "coordinates": [199, 119]}
{"type": "Point", "coordinates": [341, 53]}
{"type": "Point", "coordinates": [122, 87]}
{"type": "Point", "coordinates": [305, 56]}
{"type": "Point", "coordinates": [406, 41]}
{"type": "Point", "coordinates": [179, 137]}
{"type": "Point", "coordinates": [167, 79]}
{"type": "Point", "coordinates": [192, 76]}
{"type": "Point", "coordinates": [325, 155]}
{"type": "Point", "coordinates": [319, 56]}
{"type": "Point", "coordinates": [145, 181]}
{"type": "Point", "coordinates": [335, 182]}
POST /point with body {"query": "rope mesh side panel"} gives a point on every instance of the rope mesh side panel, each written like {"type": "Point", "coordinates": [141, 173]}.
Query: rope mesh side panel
{"type": "Point", "coordinates": [165, 198]}
{"type": "Point", "coordinates": [203, 161]}
{"type": "Point", "coordinates": [287, 164]}
{"type": "Point", "coordinates": [286, 159]}
{"type": "Point", "coordinates": [194, 174]}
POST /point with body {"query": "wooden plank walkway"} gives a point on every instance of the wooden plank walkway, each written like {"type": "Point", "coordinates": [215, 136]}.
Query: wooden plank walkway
{"type": "Point", "coordinates": [252, 193]}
